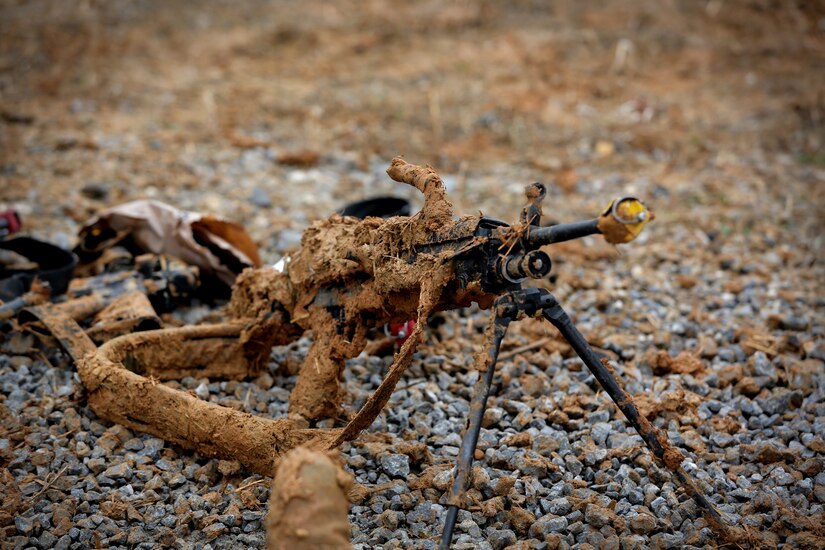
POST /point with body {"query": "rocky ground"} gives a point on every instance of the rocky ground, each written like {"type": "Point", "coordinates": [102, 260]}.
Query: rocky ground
{"type": "Point", "coordinates": [713, 318]}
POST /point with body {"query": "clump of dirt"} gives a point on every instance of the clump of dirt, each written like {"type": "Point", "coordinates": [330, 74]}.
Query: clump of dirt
{"type": "Point", "coordinates": [680, 402]}
{"type": "Point", "coordinates": [725, 424]}
{"type": "Point", "coordinates": [672, 457]}
{"type": "Point", "coordinates": [308, 503]}
{"type": "Point", "coordinates": [304, 158]}
{"type": "Point", "coordinates": [799, 531]}
{"type": "Point", "coordinates": [425, 480]}
{"type": "Point", "coordinates": [437, 207]}
{"type": "Point", "coordinates": [662, 363]}
{"type": "Point", "coordinates": [768, 454]}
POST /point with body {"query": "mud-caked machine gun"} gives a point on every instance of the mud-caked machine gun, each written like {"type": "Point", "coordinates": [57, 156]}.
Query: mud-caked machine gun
{"type": "Point", "coordinates": [351, 275]}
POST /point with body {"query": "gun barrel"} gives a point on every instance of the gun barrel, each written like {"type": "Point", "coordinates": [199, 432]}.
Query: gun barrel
{"type": "Point", "coordinates": [562, 232]}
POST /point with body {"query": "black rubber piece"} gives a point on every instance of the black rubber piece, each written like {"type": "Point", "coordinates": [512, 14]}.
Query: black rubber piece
{"type": "Point", "coordinates": [378, 207]}
{"type": "Point", "coordinates": [55, 266]}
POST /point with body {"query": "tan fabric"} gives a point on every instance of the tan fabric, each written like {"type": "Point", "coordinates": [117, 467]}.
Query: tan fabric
{"type": "Point", "coordinates": [163, 229]}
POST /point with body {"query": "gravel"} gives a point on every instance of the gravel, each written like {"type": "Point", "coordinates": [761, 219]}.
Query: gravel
{"type": "Point", "coordinates": [396, 465]}
{"type": "Point", "coordinates": [560, 467]}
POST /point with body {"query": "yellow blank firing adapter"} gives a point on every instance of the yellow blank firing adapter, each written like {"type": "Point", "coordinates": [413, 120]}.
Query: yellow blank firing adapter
{"type": "Point", "coordinates": [624, 219]}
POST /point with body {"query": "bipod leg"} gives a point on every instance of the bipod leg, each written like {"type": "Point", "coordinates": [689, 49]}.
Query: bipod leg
{"type": "Point", "coordinates": [653, 438]}
{"type": "Point", "coordinates": [504, 312]}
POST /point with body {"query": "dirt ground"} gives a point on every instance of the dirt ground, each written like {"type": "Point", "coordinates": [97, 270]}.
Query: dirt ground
{"type": "Point", "coordinates": [125, 94]}
{"type": "Point", "coordinates": [274, 114]}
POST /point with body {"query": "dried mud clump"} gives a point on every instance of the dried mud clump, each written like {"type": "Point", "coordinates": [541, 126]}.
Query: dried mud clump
{"type": "Point", "coordinates": [308, 504]}
{"type": "Point", "coordinates": [685, 363]}
{"type": "Point", "coordinates": [678, 402]}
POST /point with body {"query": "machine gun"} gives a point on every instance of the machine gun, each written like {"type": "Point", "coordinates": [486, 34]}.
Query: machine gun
{"type": "Point", "coordinates": [350, 275]}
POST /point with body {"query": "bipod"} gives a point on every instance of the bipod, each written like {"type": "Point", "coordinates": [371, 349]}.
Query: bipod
{"type": "Point", "coordinates": [505, 310]}
{"type": "Point", "coordinates": [532, 301]}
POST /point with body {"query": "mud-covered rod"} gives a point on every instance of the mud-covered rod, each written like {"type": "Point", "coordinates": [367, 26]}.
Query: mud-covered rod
{"type": "Point", "coordinates": [504, 312]}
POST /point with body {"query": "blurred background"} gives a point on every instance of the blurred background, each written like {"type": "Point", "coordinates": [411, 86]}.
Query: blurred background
{"type": "Point", "coordinates": [274, 113]}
